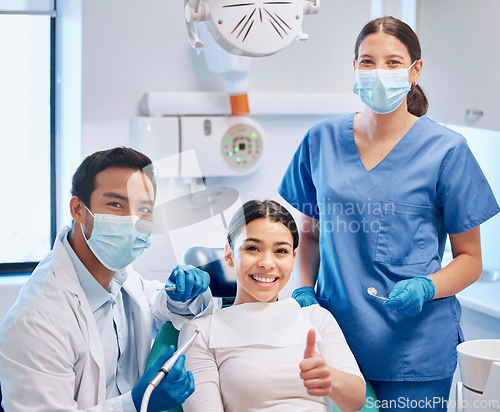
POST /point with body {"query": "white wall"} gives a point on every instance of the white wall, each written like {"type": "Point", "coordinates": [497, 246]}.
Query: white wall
{"type": "Point", "coordinates": [485, 144]}
{"type": "Point", "coordinates": [459, 40]}
{"type": "Point", "coordinates": [136, 46]}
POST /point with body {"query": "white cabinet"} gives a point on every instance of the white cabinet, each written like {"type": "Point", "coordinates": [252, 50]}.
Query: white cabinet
{"type": "Point", "coordinates": [460, 42]}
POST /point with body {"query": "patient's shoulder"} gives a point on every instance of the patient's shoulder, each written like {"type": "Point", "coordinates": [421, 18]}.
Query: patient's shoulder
{"type": "Point", "coordinates": [316, 310]}
{"type": "Point", "coordinates": [317, 313]}
{"type": "Point", "coordinates": [202, 322]}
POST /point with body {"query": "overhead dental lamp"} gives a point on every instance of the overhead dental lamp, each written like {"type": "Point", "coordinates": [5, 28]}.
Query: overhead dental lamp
{"type": "Point", "coordinates": [243, 29]}
{"type": "Point", "coordinates": [249, 28]}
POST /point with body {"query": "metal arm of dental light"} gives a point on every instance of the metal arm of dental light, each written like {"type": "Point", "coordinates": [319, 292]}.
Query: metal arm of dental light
{"type": "Point", "coordinates": [165, 369]}
{"type": "Point", "coordinates": [196, 12]}
{"type": "Point", "coordinates": [311, 7]}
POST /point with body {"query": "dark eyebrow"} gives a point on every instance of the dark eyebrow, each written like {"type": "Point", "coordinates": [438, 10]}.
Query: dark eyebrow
{"type": "Point", "coordinates": [115, 195]}
{"type": "Point", "coordinates": [386, 57]}
{"type": "Point", "coordinates": [283, 243]}
{"type": "Point", "coordinates": [398, 56]}
{"type": "Point", "coordinates": [251, 239]}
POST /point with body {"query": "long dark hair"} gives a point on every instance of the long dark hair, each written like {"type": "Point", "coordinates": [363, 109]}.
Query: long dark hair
{"type": "Point", "coordinates": [417, 101]}
{"type": "Point", "coordinates": [255, 209]}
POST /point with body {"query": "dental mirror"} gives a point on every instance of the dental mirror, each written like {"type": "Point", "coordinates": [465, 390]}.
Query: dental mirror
{"type": "Point", "coordinates": [373, 292]}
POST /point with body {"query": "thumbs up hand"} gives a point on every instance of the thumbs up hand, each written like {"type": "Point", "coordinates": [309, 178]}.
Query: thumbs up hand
{"type": "Point", "coordinates": [314, 371]}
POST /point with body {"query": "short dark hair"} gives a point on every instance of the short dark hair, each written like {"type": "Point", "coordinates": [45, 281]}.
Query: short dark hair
{"type": "Point", "coordinates": [83, 183]}
{"type": "Point", "coordinates": [256, 209]}
{"type": "Point", "coordinates": [416, 101]}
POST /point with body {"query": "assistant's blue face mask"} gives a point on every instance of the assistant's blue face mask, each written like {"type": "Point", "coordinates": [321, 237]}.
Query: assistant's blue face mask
{"type": "Point", "coordinates": [118, 240]}
{"type": "Point", "coordinates": [382, 90]}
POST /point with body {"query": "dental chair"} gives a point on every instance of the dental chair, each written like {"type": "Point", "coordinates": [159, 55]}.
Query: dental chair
{"type": "Point", "coordinates": [223, 286]}
{"type": "Point", "coordinates": [222, 277]}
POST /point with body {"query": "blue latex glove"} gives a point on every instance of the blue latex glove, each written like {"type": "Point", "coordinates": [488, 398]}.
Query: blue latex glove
{"type": "Point", "coordinates": [172, 391]}
{"type": "Point", "coordinates": [305, 296]}
{"type": "Point", "coordinates": [189, 281]}
{"type": "Point", "coordinates": [409, 295]}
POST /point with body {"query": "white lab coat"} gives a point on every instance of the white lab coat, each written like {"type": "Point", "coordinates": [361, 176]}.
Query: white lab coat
{"type": "Point", "coordinates": [49, 340]}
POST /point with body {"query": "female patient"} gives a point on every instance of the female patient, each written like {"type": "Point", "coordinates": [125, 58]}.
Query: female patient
{"type": "Point", "coordinates": [261, 354]}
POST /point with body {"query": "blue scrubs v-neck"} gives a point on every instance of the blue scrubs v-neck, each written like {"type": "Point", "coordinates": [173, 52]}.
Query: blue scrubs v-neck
{"type": "Point", "coordinates": [364, 181]}
{"type": "Point", "coordinates": [381, 226]}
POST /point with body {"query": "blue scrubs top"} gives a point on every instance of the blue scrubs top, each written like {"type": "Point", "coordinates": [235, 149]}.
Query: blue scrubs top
{"type": "Point", "coordinates": [381, 226]}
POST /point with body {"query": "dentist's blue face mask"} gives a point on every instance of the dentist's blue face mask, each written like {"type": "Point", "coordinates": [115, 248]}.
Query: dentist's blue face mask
{"type": "Point", "coordinates": [382, 90]}
{"type": "Point", "coordinates": [118, 240]}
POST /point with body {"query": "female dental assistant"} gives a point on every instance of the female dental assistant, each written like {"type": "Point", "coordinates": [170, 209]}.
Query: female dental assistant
{"type": "Point", "coordinates": [387, 186]}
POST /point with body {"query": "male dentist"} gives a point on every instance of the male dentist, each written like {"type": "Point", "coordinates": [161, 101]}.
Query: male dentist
{"type": "Point", "coordinates": [79, 335]}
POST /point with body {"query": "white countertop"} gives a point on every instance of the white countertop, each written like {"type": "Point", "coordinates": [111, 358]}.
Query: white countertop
{"type": "Point", "coordinates": [483, 297]}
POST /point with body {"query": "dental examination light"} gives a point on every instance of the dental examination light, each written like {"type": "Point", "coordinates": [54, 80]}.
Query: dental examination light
{"type": "Point", "coordinates": [249, 28]}
{"type": "Point", "coordinates": [232, 31]}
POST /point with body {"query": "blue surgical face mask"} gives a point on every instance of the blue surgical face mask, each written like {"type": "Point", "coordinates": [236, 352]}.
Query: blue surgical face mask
{"type": "Point", "coordinates": [118, 240]}
{"type": "Point", "coordinates": [382, 90]}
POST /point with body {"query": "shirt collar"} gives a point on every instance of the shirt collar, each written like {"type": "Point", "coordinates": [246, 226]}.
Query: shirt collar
{"type": "Point", "coordinates": [95, 293]}
{"type": "Point", "coordinates": [117, 282]}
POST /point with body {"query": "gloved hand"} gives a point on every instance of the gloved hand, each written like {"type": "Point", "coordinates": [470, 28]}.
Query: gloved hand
{"type": "Point", "coordinates": [408, 296]}
{"type": "Point", "coordinates": [189, 281]}
{"type": "Point", "coordinates": [172, 391]}
{"type": "Point", "coordinates": [305, 296]}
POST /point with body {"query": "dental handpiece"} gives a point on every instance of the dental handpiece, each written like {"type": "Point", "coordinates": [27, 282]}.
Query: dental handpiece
{"type": "Point", "coordinates": [170, 362]}
{"type": "Point", "coordinates": [165, 369]}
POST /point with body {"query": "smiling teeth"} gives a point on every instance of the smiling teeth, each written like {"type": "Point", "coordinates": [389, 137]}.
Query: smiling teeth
{"type": "Point", "coordinates": [264, 280]}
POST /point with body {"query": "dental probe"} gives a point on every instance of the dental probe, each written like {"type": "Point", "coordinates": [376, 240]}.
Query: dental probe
{"type": "Point", "coordinates": [165, 369]}
{"type": "Point", "coordinates": [373, 292]}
